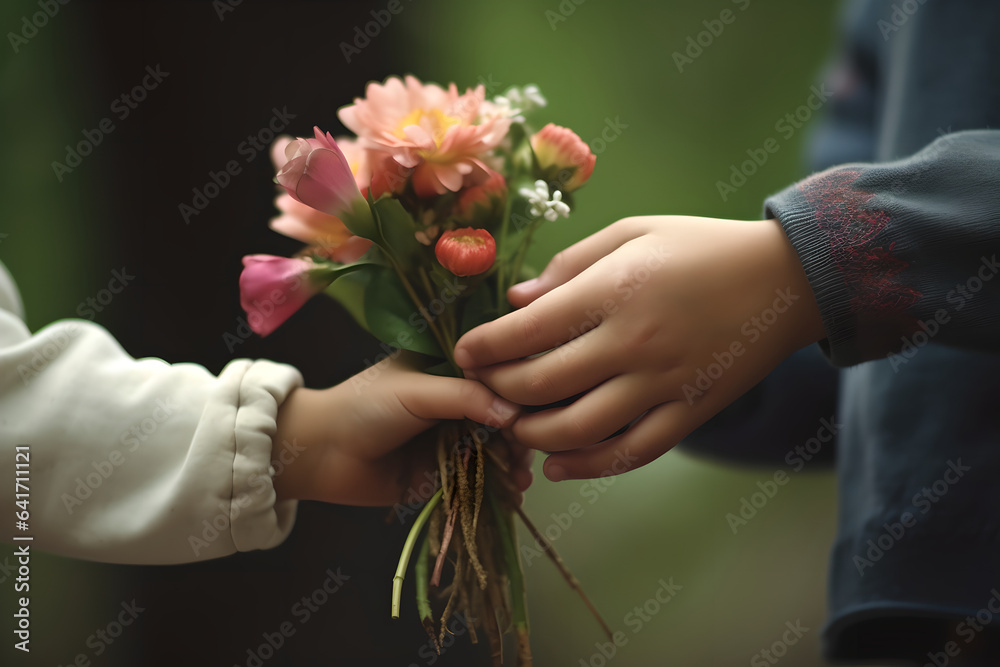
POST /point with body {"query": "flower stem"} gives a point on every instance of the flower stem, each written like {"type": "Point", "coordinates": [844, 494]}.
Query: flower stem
{"type": "Point", "coordinates": [424, 610]}
{"type": "Point", "coordinates": [522, 251]}
{"type": "Point", "coordinates": [420, 571]}
{"type": "Point", "coordinates": [448, 351]}
{"type": "Point", "coordinates": [404, 557]}
{"type": "Point", "coordinates": [446, 347]}
{"type": "Point", "coordinates": [514, 573]}
{"type": "Point", "coordinates": [443, 338]}
{"type": "Point", "coordinates": [505, 221]}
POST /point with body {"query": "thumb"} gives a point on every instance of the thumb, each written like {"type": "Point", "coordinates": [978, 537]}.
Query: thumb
{"type": "Point", "coordinates": [575, 259]}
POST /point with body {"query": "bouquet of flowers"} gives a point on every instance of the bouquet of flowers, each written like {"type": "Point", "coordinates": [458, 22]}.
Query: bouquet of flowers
{"type": "Point", "coordinates": [418, 226]}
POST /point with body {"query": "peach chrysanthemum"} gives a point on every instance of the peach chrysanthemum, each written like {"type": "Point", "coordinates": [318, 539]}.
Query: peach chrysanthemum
{"type": "Point", "coordinates": [439, 133]}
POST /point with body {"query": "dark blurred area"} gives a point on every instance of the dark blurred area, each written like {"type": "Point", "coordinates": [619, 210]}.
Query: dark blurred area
{"type": "Point", "coordinates": [189, 88]}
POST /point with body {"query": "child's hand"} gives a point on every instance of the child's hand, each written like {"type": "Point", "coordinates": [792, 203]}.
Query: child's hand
{"type": "Point", "coordinates": [350, 435]}
{"type": "Point", "coordinates": [669, 318]}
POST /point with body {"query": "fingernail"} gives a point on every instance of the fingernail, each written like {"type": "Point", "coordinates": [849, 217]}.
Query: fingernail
{"type": "Point", "coordinates": [462, 357]}
{"type": "Point", "coordinates": [555, 473]}
{"type": "Point", "coordinates": [470, 375]}
{"type": "Point", "coordinates": [526, 285]}
{"type": "Point", "coordinates": [504, 410]}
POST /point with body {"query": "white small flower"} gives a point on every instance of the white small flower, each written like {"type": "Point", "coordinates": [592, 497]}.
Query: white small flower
{"type": "Point", "coordinates": [516, 102]}
{"type": "Point", "coordinates": [503, 108]}
{"type": "Point", "coordinates": [541, 205]}
{"type": "Point", "coordinates": [534, 98]}
{"type": "Point", "coordinates": [537, 195]}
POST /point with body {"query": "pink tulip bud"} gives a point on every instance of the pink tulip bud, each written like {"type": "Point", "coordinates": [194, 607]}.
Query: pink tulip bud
{"type": "Point", "coordinates": [319, 175]}
{"type": "Point", "coordinates": [273, 288]}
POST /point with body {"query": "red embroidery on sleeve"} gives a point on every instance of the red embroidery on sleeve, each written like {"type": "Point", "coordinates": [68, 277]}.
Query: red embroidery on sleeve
{"type": "Point", "coordinates": [851, 227]}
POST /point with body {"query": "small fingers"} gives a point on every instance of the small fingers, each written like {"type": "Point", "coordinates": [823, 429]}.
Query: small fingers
{"type": "Point", "coordinates": [522, 478]}
{"type": "Point", "coordinates": [572, 261]}
{"type": "Point", "coordinates": [559, 304]}
{"type": "Point", "coordinates": [570, 369]}
{"type": "Point", "coordinates": [521, 458]}
{"type": "Point", "coordinates": [532, 330]}
{"type": "Point", "coordinates": [590, 419]}
{"type": "Point", "coordinates": [432, 397]}
{"type": "Point", "coordinates": [645, 441]}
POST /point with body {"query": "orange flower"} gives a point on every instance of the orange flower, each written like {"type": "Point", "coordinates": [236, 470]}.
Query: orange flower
{"type": "Point", "coordinates": [484, 202]}
{"type": "Point", "coordinates": [466, 252]}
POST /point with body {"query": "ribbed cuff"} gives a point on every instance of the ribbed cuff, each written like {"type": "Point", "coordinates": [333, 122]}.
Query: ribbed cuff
{"type": "Point", "coordinates": [800, 221]}
{"type": "Point", "coordinates": [257, 521]}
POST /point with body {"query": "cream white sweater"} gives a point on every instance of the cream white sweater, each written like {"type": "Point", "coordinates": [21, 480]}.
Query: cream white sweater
{"type": "Point", "coordinates": [134, 460]}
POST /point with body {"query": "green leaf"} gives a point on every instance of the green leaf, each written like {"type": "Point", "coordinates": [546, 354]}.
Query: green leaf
{"type": "Point", "coordinates": [349, 291]}
{"type": "Point", "coordinates": [392, 317]}
{"type": "Point", "coordinates": [478, 309]}
{"type": "Point", "coordinates": [397, 232]}
{"type": "Point", "coordinates": [444, 369]}
{"type": "Point", "coordinates": [360, 221]}
{"type": "Point", "coordinates": [517, 134]}
{"type": "Point", "coordinates": [445, 280]}
{"type": "Point", "coordinates": [349, 287]}
{"type": "Point", "coordinates": [331, 271]}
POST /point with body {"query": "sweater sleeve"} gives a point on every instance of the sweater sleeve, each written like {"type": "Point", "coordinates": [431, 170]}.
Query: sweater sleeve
{"type": "Point", "coordinates": [135, 461]}
{"type": "Point", "coordinates": [902, 253]}
{"type": "Point", "coordinates": [791, 406]}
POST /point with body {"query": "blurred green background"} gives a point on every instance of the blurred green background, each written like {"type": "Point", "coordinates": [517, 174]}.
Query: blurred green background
{"type": "Point", "coordinates": [597, 62]}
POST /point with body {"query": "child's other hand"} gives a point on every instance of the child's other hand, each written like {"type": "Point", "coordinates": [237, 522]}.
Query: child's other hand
{"type": "Point", "coordinates": [350, 435]}
{"type": "Point", "coordinates": [667, 318]}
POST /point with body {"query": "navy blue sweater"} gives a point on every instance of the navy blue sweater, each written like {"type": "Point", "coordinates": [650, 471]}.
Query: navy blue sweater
{"type": "Point", "coordinates": [901, 244]}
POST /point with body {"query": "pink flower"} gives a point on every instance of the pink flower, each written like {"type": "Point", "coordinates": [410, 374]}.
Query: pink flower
{"type": "Point", "coordinates": [563, 157]}
{"type": "Point", "coordinates": [327, 233]}
{"type": "Point", "coordinates": [273, 288]}
{"type": "Point", "coordinates": [387, 175]}
{"type": "Point", "coordinates": [437, 132]}
{"type": "Point", "coordinates": [319, 175]}
{"type": "Point", "coordinates": [483, 202]}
